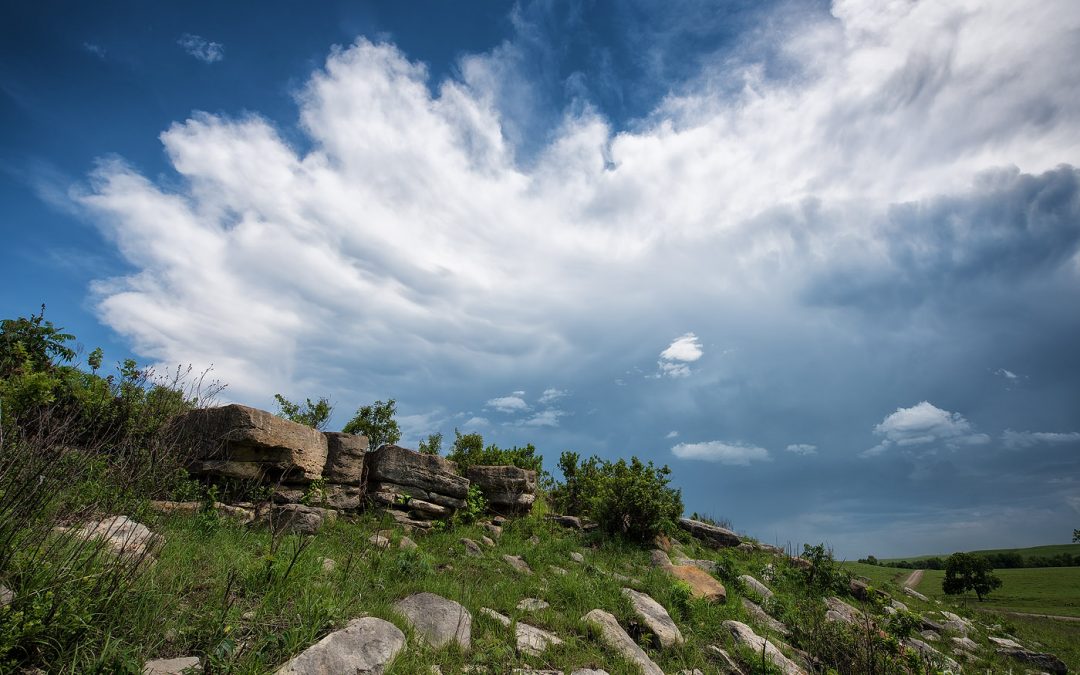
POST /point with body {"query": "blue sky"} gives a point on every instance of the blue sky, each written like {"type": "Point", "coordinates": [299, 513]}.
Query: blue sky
{"type": "Point", "coordinates": [821, 259]}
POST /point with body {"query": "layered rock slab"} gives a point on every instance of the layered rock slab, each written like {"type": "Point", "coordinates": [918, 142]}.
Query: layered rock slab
{"type": "Point", "coordinates": [744, 635]}
{"type": "Point", "coordinates": [616, 638]}
{"type": "Point", "coordinates": [506, 489]}
{"type": "Point", "coordinates": [655, 617]}
{"type": "Point", "coordinates": [713, 535]}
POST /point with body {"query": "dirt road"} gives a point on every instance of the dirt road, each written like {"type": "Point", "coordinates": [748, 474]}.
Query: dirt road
{"type": "Point", "coordinates": [913, 579]}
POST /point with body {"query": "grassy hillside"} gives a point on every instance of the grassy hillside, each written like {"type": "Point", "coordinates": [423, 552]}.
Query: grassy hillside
{"type": "Point", "coordinates": [1039, 590]}
{"type": "Point", "coordinates": [878, 576]}
{"type": "Point", "coordinates": [1030, 552]}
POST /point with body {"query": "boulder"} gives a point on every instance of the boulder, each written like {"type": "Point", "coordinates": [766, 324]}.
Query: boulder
{"type": "Point", "coordinates": [756, 587]}
{"type": "Point", "coordinates": [1006, 643]}
{"type": "Point", "coordinates": [122, 536]}
{"type": "Point", "coordinates": [297, 518]}
{"type": "Point", "coordinates": [406, 544]}
{"type": "Point", "coordinates": [713, 535]}
{"type": "Point", "coordinates": [762, 617]}
{"type": "Point", "coordinates": [658, 558]}
{"type": "Point", "coordinates": [572, 522]}
{"type": "Point", "coordinates": [1043, 661]}
{"type": "Point", "coordinates": [437, 620]}
{"type": "Point", "coordinates": [859, 589]}
{"type": "Point", "coordinates": [745, 636]}
{"type": "Point", "coordinates": [966, 644]}
{"type": "Point", "coordinates": [365, 646]}
{"type": "Point", "coordinates": [956, 623]}
{"type": "Point", "coordinates": [929, 654]}
{"type": "Point", "coordinates": [518, 563]}
{"type": "Point", "coordinates": [506, 489]}
{"type": "Point", "coordinates": [843, 612]}
{"type": "Point", "coordinates": [616, 638]}
{"type": "Point", "coordinates": [241, 442]}
{"type": "Point", "coordinates": [530, 639]}
{"type": "Point", "coordinates": [471, 547]}
{"type": "Point", "coordinates": [727, 665]}
{"type": "Point", "coordinates": [344, 458]}
{"type": "Point", "coordinates": [185, 665]}
{"type": "Point", "coordinates": [655, 617]}
{"type": "Point", "coordinates": [915, 594]}
{"type": "Point", "coordinates": [709, 566]}
{"type": "Point", "coordinates": [702, 584]}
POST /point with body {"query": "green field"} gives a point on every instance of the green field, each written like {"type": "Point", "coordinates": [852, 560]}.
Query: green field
{"type": "Point", "coordinates": [1036, 590]}
{"type": "Point", "coordinates": [878, 576]}
{"type": "Point", "coordinates": [1034, 551]}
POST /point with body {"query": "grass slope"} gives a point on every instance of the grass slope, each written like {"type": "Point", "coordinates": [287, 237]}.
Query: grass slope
{"type": "Point", "coordinates": [1036, 590]}
{"type": "Point", "coordinates": [1034, 551]}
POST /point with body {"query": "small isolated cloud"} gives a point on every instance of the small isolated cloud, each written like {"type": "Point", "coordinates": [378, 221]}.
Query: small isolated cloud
{"type": "Point", "coordinates": [95, 49]}
{"type": "Point", "coordinates": [509, 404]}
{"type": "Point", "coordinates": [201, 48]}
{"type": "Point", "coordinates": [740, 454]}
{"type": "Point", "coordinates": [682, 351]}
{"type": "Point", "coordinates": [925, 423]}
{"type": "Point", "coordinates": [1027, 439]}
{"type": "Point", "coordinates": [544, 418]}
{"type": "Point", "coordinates": [672, 434]}
{"type": "Point", "coordinates": [475, 423]}
{"type": "Point", "coordinates": [802, 449]}
{"type": "Point", "coordinates": [551, 395]}
{"type": "Point", "coordinates": [1007, 374]}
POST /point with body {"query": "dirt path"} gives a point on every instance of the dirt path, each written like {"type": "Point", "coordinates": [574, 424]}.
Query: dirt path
{"type": "Point", "coordinates": [913, 579]}
{"type": "Point", "coordinates": [1041, 616]}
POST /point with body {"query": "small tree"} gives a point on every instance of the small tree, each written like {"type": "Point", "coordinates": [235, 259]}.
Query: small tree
{"type": "Point", "coordinates": [376, 421]}
{"type": "Point", "coordinates": [1076, 536]}
{"type": "Point", "coordinates": [314, 415]}
{"type": "Point", "coordinates": [433, 444]}
{"type": "Point", "coordinates": [967, 572]}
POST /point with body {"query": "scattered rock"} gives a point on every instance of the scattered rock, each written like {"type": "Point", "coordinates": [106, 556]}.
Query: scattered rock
{"type": "Point", "coordinates": [499, 520]}
{"type": "Point", "coordinates": [532, 605]}
{"type": "Point", "coordinates": [297, 518]}
{"type": "Point", "coordinates": [756, 587]}
{"type": "Point", "coordinates": [532, 640]}
{"type": "Point", "coordinates": [577, 557]}
{"type": "Point", "coordinates": [613, 634]}
{"type": "Point", "coordinates": [344, 458]}
{"type": "Point", "coordinates": [929, 654]}
{"type": "Point", "coordinates": [760, 616]}
{"type": "Point", "coordinates": [956, 623]}
{"type": "Point", "coordinates": [929, 624]}
{"type": "Point", "coordinates": [801, 563]}
{"type": "Point", "coordinates": [558, 570]}
{"type": "Point", "coordinates": [915, 594]}
{"type": "Point", "coordinates": [572, 522]}
{"type": "Point", "coordinates": [859, 589]}
{"type": "Point", "coordinates": [655, 617]}
{"type": "Point", "coordinates": [589, 671]}
{"type": "Point", "coordinates": [930, 635]}
{"type": "Point", "coordinates": [185, 665]}
{"type": "Point", "coordinates": [695, 671]}
{"type": "Point", "coordinates": [1007, 643]}
{"type": "Point", "coordinates": [407, 523]}
{"type": "Point", "coordinates": [707, 565]}
{"type": "Point", "coordinates": [366, 645]}
{"type": "Point", "coordinates": [328, 565]}
{"type": "Point", "coordinates": [495, 530]}
{"type": "Point", "coordinates": [726, 663]}
{"type": "Point", "coordinates": [658, 558]}
{"type": "Point", "coordinates": [342, 497]}
{"type": "Point", "coordinates": [713, 535]}
{"type": "Point", "coordinates": [241, 442]}
{"type": "Point", "coordinates": [504, 620]}
{"type": "Point", "coordinates": [506, 489]}
{"type": "Point", "coordinates": [702, 585]}
{"type": "Point", "coordinates": [899, 606]}
{"type": "Point", "coordinates": [241, 514]}
{"type": "Point", "coordinates": [471, 547]}
{"type": "Point", "coordinates": [744, 635]}
{"type": "Point", "coordinates": [518, 563]}
{"type": "Point", "coordinates": [487, 541]}
{"type": "Point", "coordinates": [7, 596]}
{"type": "Point", "coordinates": [534, 540]}
{"type": "Point", "coordinates": [379, 541]}
{"type": "Point", "coordinates": [438, 620]}
{"type": "Point", "coordinates": [965, 643]}
{"type": "Point", "coordinates": [841, 611]}
{"type": "Point", "coordinates": [123, 536]}
{"type": "Point", "coordinates": [1042, 661]}
{"type": "Point", "coordinates": [746, 547]}
{"type": "Point", "coordinates": [406, 544]}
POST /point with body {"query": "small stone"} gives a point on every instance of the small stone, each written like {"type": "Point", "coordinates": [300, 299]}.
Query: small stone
{"type": "Point", "coordinates": [559, 571]}
{"type": "Point", "coordinates": [7, 596]}
{"type": "Point", "coordinates": [328, 565]}
{"type": "Point", "coordinates": [762, 617]}
{"type": "Point", "coordinates": [504, 620]}
{"type": "Point", "coordinates": [518, 563]}
{"type": "Point", "coordinates": [438, 620]}
{"type": "Point", "coordinates": [379, 541]}
{"type": "Point", "coordinates": [186, 665]}
{"type": "Point", "coordinates": [965, 643]}
{"type": "Point", "coordinates": [499, 520]}
{"type": "Point", "coordinates": [487, 541]}
{"type": "Point", "coordinates": [915, 594]}
{"type": "Point", "coordinates": [534, 540]}
{"type": "Point", "coordinates": [532, 640]}
{"type": "Point", "coordinates": [577, 557]}
{"type": "Point", "coordinates": [471, 547]}
{"type": "Point", "coordinates": [406, 544]}
{"type": "Point", "coordinates": [532, 605]}
{"type": "Point", "coordinates": [756, 587]}
{"type": "Point", "coordinates": [495, 530]}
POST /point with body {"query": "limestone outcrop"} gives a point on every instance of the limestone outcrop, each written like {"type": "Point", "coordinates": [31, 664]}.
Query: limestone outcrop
{"type": "Point", "coordinates": [426, 487]}
{"type": "Point", "coordinates": [506, 489]}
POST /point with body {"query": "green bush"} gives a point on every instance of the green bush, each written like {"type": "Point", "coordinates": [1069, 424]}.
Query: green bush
{"type": "Point", "coordinates": [469, 450]}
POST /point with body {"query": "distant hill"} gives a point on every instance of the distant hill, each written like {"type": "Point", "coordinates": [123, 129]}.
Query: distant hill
{"type": "Point", "coordinates": [1048, 551]}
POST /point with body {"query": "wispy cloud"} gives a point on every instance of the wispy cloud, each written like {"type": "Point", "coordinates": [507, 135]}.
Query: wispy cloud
{"type": "Point", "coordinates": [1027, 439]}
{"type": "Point", "coordinates": [201, 48]}
{"type": "Point", "coordinates": [738, 454]}
{"type": "Point", "coordinates": [802, 449]}
{"type": "Point", "coordinates": [95, 49]}
{"type": "Point", "coordinates": [551, 395]}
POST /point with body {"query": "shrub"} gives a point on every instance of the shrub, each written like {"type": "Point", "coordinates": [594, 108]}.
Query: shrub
{"type": "Point", "coordinates": [469, 450]}
{"type": "Point", "coordinates": [313, 414]}
{"type": "Point", "coordinates": [376, 421]}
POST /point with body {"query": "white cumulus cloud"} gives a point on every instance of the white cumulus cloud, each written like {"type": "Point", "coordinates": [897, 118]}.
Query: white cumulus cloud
{"type": "Point", "coordinates": [924, 424]}
{"type": "Point", "coordinates": [508, 404]}
{"type": "Point", "coordinates": [739, 454]}
{"type": "Point", "coordinates": [683, 350]}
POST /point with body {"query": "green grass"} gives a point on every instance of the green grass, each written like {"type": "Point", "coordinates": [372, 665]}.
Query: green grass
{"type": "Point", "coordinates": [1037, 590]}
{"type": "Point", "coordinates": [878, 576]}
{"type": "Point", "coordinates": [1034, 551]}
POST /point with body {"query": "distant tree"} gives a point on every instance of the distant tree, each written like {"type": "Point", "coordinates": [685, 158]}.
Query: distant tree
{"type": "Point", "coordinates": [433, 444]}
{"type": "Point", "coordinates": [376, 421]}
{"type": "Point", "coordinates": [966, 572]}
{"type": "Point", "coordinates": [1076, 536]}
{"type": "Point", "coordinates": [313, 414]}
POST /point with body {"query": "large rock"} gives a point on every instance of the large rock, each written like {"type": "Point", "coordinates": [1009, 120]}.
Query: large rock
{"type": "Point", "coordinates": [530, 639]}
{"type": "Point", "coordinates": [438, 620]}
{"type": "Point", "coordinates": [745, 636]}
{"type": "Point", "coordinates": [241, 442]}
{"type": "Point", "coordinates": [185, 665]}
{"type": "Point", "coordinates": [756, 587]}
{"type": "Point", "coordinates": [296, 518]}
{"type": "Point", "coordinates": [930, 655]}
{"type": "Point", "coordinates": [401, 466]}
{"type": "Point", "coordinates": [123, 536]}
{"type": "Point", "coordinates": [344, 458]}
{"type": "Point", "coordinates": [655, 617]}
{"type": "Point", "coordinates": [760, 616]}
{"type": "Point", "coordinates": [365, 646]}
{"type": "Point", "coordinates": [1040, 660]}
{"type": "Point", "coordinates": [702, 584]}
{"type": "Point", "coordinates": [507, 489]}
{"type": "Point", "coordinates": [838, 610]}
{"type": "Point", "coordinates": [713, 535]}
{"type": "Point", "coordinates": [613, 634]}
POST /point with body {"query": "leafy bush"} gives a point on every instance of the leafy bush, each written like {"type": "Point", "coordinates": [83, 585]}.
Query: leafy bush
{"type": "Point", "coordinates": [632, 499]}
{"type": "Point", "coordinates": [376, 421]}
{"type": "Point", "coordinates": [313, 414]}
{"type": "Point", "coordinates": [469, 450]}
{"type": "Point", "coordinates": [475, 505]}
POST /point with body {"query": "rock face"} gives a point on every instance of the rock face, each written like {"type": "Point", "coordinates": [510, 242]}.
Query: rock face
{"type": "Point", "coordinates": [364, 646]}
{"type": "Point", "coordinates": [613, 634]}
{"type": "Point", "coordinates": [438, 620]}
{"type": "Point", "coordinates": [425, 486]}
{"type": "Point", "coordinates": [185, 665]}
{"type": "Point", "coordinates": [241, 442]}
{"type": "Point", "coordinates": [655, 617]}
{"type": "Point", "coordinates": [744, 635]}
{"type": "Point", "coordinates": [713, 535]}
{"type": "Point", "coordinates": [344, 458]}
{"type": "Point", "coordinates": [507, 489]}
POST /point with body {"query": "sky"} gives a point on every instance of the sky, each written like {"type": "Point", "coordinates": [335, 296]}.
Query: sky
{"type": "Point", "coordinates": [823, 260]}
